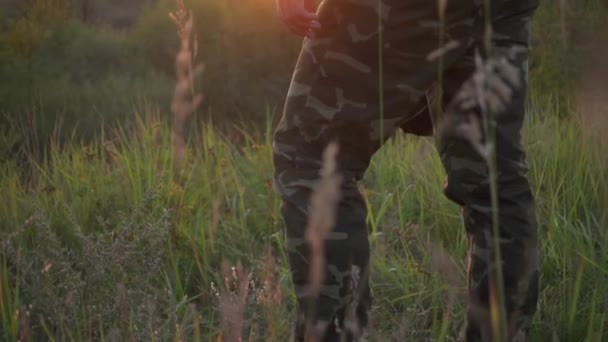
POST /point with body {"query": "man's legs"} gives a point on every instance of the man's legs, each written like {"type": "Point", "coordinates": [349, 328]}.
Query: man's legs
{"type": "Point", "coordinates": [334, 96]}
{"type": "Point", "coordinates": [468, 185]}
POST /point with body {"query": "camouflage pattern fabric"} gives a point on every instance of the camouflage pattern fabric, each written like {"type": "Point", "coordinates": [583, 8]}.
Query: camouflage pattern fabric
{"type": "Point", "coordinates": [343, 91]}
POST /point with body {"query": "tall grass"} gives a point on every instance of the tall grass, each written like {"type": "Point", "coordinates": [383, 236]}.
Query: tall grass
{"type": "Point", "coordinates": [112, 212]}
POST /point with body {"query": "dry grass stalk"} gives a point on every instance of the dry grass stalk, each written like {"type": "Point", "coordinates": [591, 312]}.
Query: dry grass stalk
{"type": "Point", "coordinates": [489, 90]}
{"type": "Point", "coordinates": [471, 118]}
{"type": "Point", "coordinates": [322, 218]}
{"type": "Point", "coordinates": [185, 98]}
{"type": "Point", "coordinates": [232, 302]}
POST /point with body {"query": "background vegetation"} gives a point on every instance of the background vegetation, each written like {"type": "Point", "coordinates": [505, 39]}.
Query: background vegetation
{"type": "Point", "coordinates": [102, 239]}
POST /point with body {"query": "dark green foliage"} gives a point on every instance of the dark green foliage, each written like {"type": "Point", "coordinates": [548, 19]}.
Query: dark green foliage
{"type": "Point", "coordinates": [83, 75]}
{"type": "Point", "coordinates": [97, 277]}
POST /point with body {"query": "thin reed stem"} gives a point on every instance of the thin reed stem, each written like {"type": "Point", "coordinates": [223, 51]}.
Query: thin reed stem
{"type": "Point", "coordinates": [497, 302]}
{"type": "Point", "coordinates": [381, 70]}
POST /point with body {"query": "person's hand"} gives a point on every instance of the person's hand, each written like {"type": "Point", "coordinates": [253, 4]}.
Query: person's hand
{"type": "Point", "coordinates": [299, 16]}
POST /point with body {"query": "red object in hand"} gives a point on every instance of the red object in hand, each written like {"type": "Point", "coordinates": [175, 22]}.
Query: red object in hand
{"type": "Point", "coordinates": [299, 16]}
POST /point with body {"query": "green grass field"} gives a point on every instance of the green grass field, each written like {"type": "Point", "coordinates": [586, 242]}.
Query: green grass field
{"type": "Point", "coordinates": [106, 240]}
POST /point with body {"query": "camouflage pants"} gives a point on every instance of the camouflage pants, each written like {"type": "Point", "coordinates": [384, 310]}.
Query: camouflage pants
{"type": "Point", "coordinates": [335, 95]}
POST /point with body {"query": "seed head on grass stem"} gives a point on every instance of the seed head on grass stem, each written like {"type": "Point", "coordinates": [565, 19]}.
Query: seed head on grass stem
{"type": "Point", "coordinates": [185, 98]}
{"type": "Point", "coordinates": [322, 215]}
{"type": "Point", "coordinates": [489, 89]}
{"type": "Point", "coordinates": [233, 301]}
{"type": "Point", "coordinates": [471, 118]}
{"type": "Point", "coordinates": [322, 218]}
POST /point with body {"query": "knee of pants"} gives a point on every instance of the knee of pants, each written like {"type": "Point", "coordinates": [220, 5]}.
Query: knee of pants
{"type": "Point", "coordinates": [516, 203]}
{"type": "Point", "coordinates": [296, 180]}
{"type": "Point", "coordinates": [468, 176]}
{"type": "Point", "coordinates": [474, 189]}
